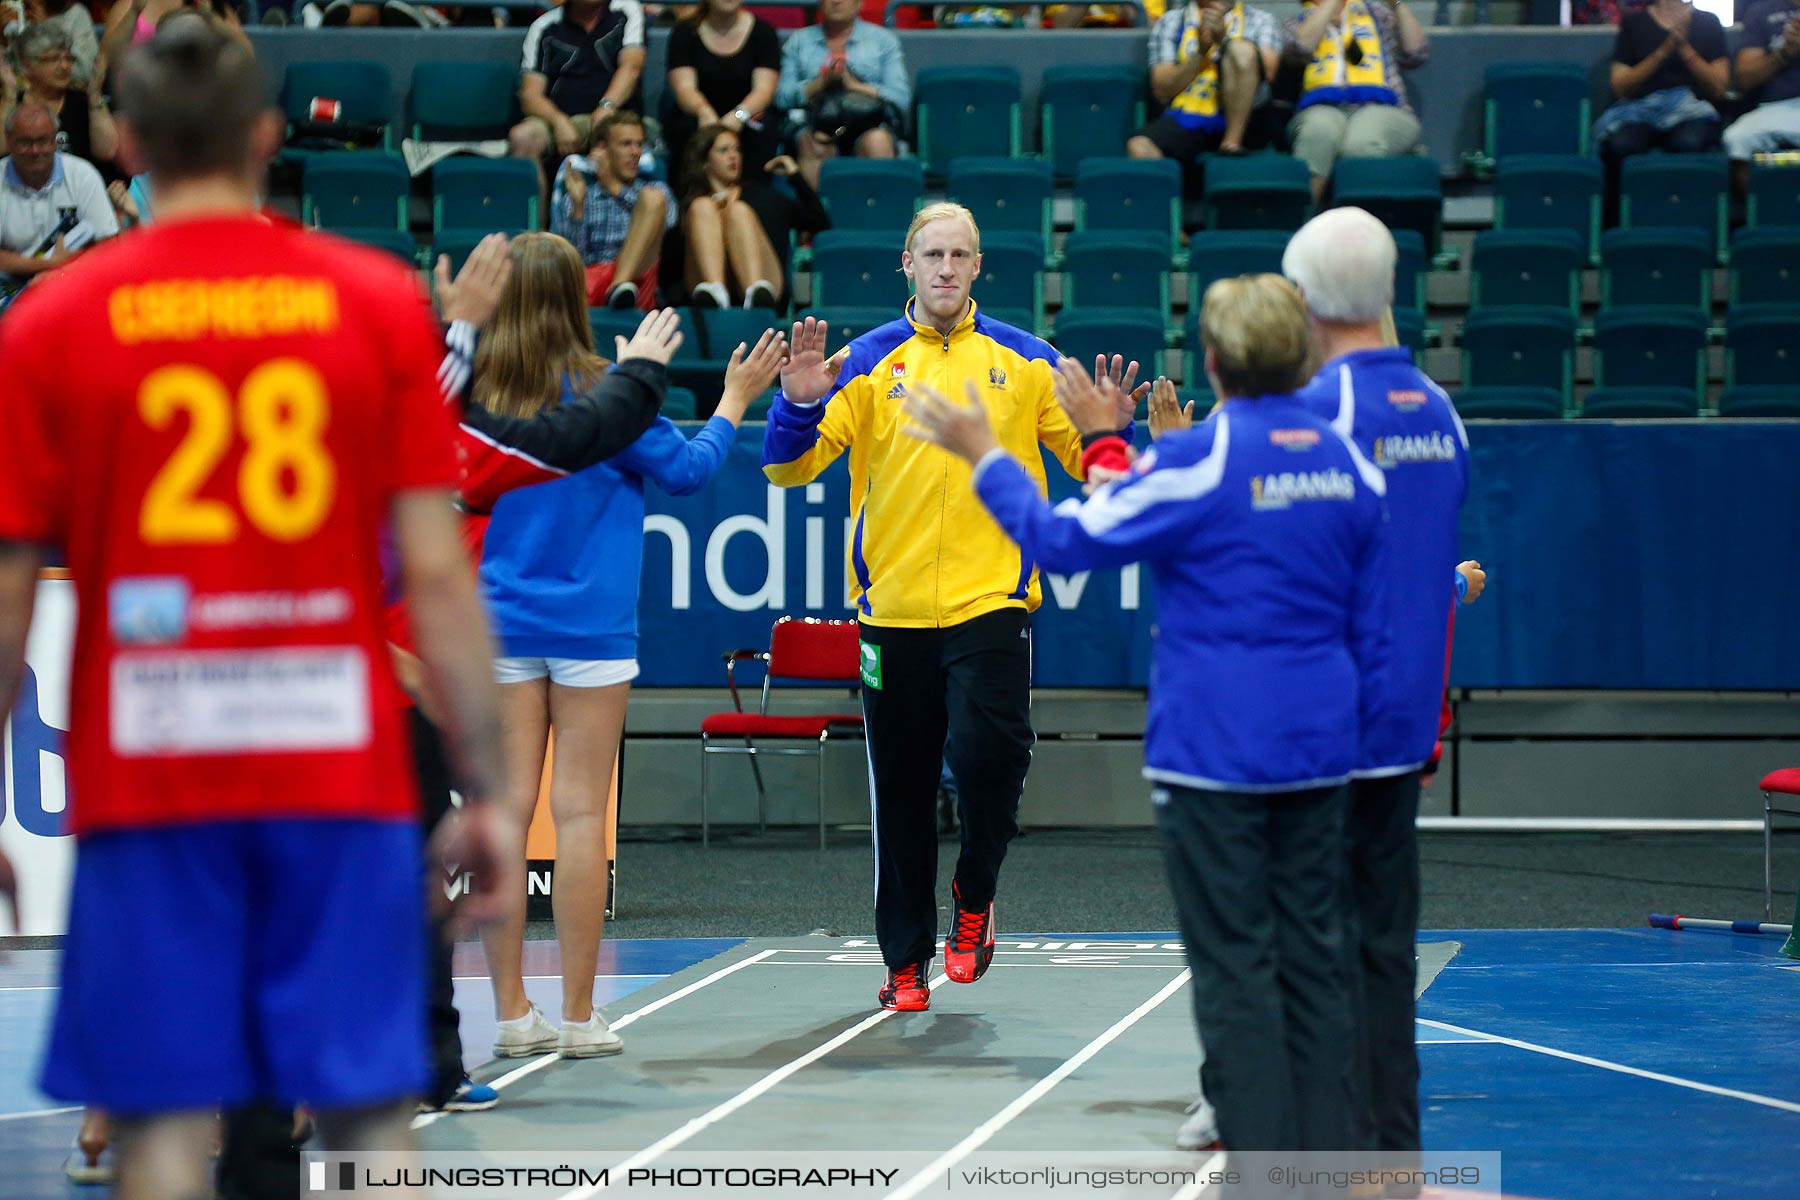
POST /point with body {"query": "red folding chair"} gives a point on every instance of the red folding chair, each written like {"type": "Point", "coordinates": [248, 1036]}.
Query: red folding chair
{"type": "Point", "coordinates": [800, 650]}
{"type": "Point", "coordinates": [1785, 782]}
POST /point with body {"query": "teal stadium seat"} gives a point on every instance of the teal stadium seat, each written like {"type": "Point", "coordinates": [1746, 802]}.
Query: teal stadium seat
{"type": "Point", "coordinates": [1012, 274]}
{"type": "Point", "coordinates": [458, 244]}
{"type": "Point", "coordinates": [1411, 267]}
{"type": "Point", "coordinates": [1084, 107]}
{"type": "Point", "coordinates": [1136, 333]}
{"type": "Point", "coordinates": [721, 329]}
{"type": "Point", "coordinates": [1762, 345]}
{"type": "Point", "coordinates": [397, 242]}
{"type": "Point", "coordinates": [1509, 403]}
{"type": "Point", "coordinates": [679, 404]}
{"type": "Point", "coordinates": [1519, 348]}
{"type": "Point", "coordinates": [1405, 192]}
{"type": "Point", "coordinates": [1213, 256]}
{"type": "Point", "coordinates": [963, 112]}
{"type": "Point", "coordinates": [1665, 191]}
{"type": "Point", "coordinates": [1639, 347]}
{"type": "Point", "coordinates": [365, 90]}
{"type": "Point", "coordinates": [491, 194]}
{"type": "Point", "coordinates": [1774, 195]}
{"type": "Point", "coordinates": [1256, 191]}
{"type": "Point", "coordinates": [1765, 264]}
{"type": "Point", "coordinates": [1639, 403]}
{"type": "Point", "coordinates": [1526, 266]}
{"type": "Point", "coordinates": [871, 194]}
{"type": "Point", "coordinates": [468, 101]}
{"type": "Point", "coordinates": [1760, 402]}
{"type": "Point", "coordinates": [1536, 108]}
{"type": "Point", "coordinates": [354, 189]}
{"type": "Point", "coordinates": [857, 268]}
{"type": "Point", "coordinates": [1005, 195]}
{"type": "Point", "coordinates": [1129, 195]}
{"type": "Point", "coordinates": [1116, 270]}
{"type": "Point", "coordinates": [1551, 191]}
{"type": "Point", "coordinates": [1669, 267]}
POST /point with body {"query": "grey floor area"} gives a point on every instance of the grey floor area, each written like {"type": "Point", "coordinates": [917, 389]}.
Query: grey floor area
{"type": "Point", "coordinates": [1087, 881]}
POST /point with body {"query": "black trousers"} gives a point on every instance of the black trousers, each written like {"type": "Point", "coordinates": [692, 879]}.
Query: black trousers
{"type": "Point", "coordinates": [258, 1159]}
{"type": "Point", "coordinates": [1258, 884]}
{"type": "Point", "coordinates": [973, 682]}
{"type": "Point", "coordinates": [1381, 926]}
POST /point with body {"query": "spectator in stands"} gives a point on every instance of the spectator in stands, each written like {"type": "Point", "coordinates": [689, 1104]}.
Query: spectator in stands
{"type": "Point", "coordinates": [74, 19]}
{"type": "Point", "coordinates": [736, 217]}
{"type": "Point", "coordinates": [1668, 66]}
{"type": "Point", "coordinates": [849, 77]}
{"type": "Point", "coordinates": [51, 204]}
{"type": "Point", "coordinates": [1352, 98]}
{"type": "Point", "coordinates": [132, 202]}
{"type": "Point", "coordinates": [582, 63]}
{"type": "Point", "coordinates": [132, 22]}
{"type": "Point", "coordinates": [559, 570]}
{"type": "Point", "coordinates": [1769, 59]}
{"type": "Point", "coordinates": [724, 64]}
{"type": "Point", "coordinates": [1207, 60]}
{"type": "Point", "coordinates": [46, 60]}
{"type": "Point", "coordinates": [615, 219]}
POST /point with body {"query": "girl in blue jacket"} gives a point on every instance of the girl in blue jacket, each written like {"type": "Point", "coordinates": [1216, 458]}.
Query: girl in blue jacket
{"type": "Point", "coordinates": [559, 570]}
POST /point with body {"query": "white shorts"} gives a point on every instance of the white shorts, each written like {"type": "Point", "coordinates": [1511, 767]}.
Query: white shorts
{"type": "Point", "coordinates": [570, 672]}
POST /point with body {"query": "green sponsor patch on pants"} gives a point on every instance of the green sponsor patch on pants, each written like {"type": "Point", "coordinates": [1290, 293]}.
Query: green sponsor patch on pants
{"type": "Point", "coordinates": [871, 665]}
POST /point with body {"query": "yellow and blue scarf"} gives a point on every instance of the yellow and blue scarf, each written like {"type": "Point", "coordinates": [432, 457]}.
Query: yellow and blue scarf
{"type": "Point", "coordinates": [1198, 106]}
{"type": "Point", "coordinates": [1337, 76]}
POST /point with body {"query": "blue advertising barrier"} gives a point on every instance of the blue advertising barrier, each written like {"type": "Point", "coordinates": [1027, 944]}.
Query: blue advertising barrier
{"type": "Point", "coordinates": [1644, 556]}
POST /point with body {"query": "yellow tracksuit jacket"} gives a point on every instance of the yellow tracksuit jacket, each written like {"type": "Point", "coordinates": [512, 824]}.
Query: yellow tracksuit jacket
{"type": "Point", "coordinates": [924, 552]}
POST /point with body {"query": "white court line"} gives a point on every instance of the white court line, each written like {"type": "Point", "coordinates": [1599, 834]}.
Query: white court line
{"type": "Point", "coordinates": [1037, 1091]}
{"type": "Point", "coordinates": [1089, 949]}
{"type": "Point", "coordinates": [42, 1112]}
{"type": "Point", "coordinates": [1621, 1068]}
{"type": "Point", "coordinates": [529, 978]}
{"type": "Point", "coordinates": [538, 1064]}
{"type": "Point", "coordinates": [1200, 1187]}
{"type": "Point", "coordinates": [700, 1123]}
{"type": "Point", "coordinates": [1455, 1042]}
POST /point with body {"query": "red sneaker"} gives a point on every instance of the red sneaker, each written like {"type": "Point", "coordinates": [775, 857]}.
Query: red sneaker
{"type": "Point", "coordinates": [906, 989]}
{"type": "Point", "coordinates": [970, 947]}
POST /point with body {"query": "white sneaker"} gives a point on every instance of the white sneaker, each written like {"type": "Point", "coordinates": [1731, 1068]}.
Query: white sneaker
{"type": "Point", "coordinates": [590, 1039]}
{"type": "Point", "coordinates": [711, 295]}
{"type": "Point", "coordinates": [83, 1169]}
{"type": "Point", "coordinates": [524, 1036]}
{"type": "Point", "coordinates": [760, 294]}
{"type": "Point", "coordinates": [1201, 1129]}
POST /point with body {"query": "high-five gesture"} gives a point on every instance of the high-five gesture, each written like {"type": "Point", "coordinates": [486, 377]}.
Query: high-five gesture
{"type": "Point", "coordinates": [750, 372]}
{"type": "Point", "coordinates": [1123, 376]}
{"type": "Point", "coordinates": [656, 339]}
{"type": "Point", "coordinates": [808, 374]}
{"type": "Point", "coordinates": [1093, 404]}
{"type": "Point", "coordinates": [475, 292]}
{"type": "Point", "coordinates": [1166, 412]}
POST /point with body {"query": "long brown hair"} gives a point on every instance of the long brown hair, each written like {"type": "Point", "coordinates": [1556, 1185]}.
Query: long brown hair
{"type": "Point", "coordinates": [539, 333]}
{"type": "Point", "coordinates": [693, 168]}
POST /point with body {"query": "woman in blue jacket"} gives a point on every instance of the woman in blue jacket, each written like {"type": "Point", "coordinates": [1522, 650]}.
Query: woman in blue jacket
{"type": "Point", "coordinates": [559, 571]}
{"type": "Point", "coordinates": [1265, 531]}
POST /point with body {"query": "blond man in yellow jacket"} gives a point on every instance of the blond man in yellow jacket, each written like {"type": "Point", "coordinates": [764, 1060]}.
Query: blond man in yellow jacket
{"type": "Point", "coordinates": [943, 596]}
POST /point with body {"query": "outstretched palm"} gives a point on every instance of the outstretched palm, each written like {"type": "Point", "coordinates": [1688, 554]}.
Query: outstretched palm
{"type": "Point", "coordinates": [808, 374]}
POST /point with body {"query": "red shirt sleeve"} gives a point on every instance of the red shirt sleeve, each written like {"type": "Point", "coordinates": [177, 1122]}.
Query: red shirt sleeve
{"type": "Point", "coordinates": [29, 467]}
{"type": "Point", "coordinates": [421, 440]}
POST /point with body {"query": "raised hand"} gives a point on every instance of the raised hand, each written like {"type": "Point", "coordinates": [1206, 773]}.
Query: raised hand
{"type": "Point", "coordinates": [1166, 412]}
{"type": "Point", "coordinates": [1123, 378]}
{"type": "Point", "coordinates": [750, 372]}
{"type": "Point", "coordinates": [808, 375]}
{"type": "Point", "coordinates": [1093, 404]}
{"type": "Point", "coordinates": [962, 429]}
{"type": "Point", "coordinates": [656, 339]}
{"type": "Point", "coordinates": [475, 293]}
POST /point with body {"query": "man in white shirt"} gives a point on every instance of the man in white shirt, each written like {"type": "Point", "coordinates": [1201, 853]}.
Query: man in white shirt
{"type": "Point", "coordinates": [50, 204]}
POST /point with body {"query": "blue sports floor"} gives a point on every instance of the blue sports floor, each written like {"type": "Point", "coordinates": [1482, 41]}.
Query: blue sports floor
{"type": "Point", "coordinates": [1603, 1064]}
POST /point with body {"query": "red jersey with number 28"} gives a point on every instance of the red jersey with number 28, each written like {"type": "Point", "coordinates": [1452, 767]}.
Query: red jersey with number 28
{"type": "Point", "coordinates": [212, 418]}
